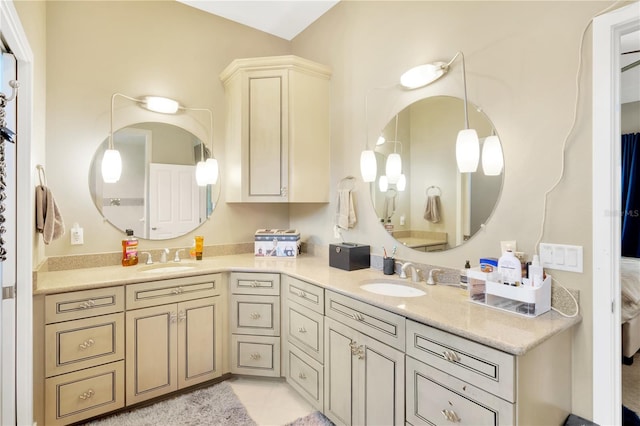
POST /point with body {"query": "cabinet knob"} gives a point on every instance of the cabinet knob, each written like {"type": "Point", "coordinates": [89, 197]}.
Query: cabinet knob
{"type": "Point", "coordinates": [86, 395]}
{"type": "Point", "coordinates": [451, 416]}
{"type": "Point", "coordinates": [255, 356]}
{"type": "Point", "coordinates": [177, 290]}
{"type": "Point", "coordinates": [302, 376]}
{"type": "Point", "coordinates": [283, 191]}
{"type": "Point", "coordinates": [173, 317]}
{"type": "Point", "coordinates": [86, 344]}
{"type": "Point", "coordinates": [254, 315]}
{"type": "Point", "coordinates": [182, 315]}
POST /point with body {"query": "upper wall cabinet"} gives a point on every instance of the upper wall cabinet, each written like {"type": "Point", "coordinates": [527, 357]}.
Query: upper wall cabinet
{"type": "Point", "coordinates": [277, 130]}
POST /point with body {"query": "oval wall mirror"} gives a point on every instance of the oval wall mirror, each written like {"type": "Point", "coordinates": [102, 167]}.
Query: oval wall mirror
{"type": "Point", "coordinates": [438, 208]}
{"type": "Point", "coordinates": [157, 195]}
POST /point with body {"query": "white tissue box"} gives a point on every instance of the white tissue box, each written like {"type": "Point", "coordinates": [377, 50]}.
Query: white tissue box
{"type": "Point", "coordinates": [277, 243]}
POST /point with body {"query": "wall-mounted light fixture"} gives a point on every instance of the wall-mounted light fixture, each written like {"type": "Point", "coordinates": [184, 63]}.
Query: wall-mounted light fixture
{"type": "Point", "coordinates": [206, 169]}
{"type": "Point", "coordinates": [467, 143]}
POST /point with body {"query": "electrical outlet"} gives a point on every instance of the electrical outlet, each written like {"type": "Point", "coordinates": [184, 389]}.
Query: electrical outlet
{"type": "Point", "coordinates": [561, 257]}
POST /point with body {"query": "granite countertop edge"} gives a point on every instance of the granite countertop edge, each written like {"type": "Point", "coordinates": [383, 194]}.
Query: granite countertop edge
{"type": "Point", "coordinates": [444, 307]}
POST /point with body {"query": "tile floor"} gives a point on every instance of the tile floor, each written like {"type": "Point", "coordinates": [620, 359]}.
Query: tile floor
{"type": "Point", "coordinates": [270, 402]}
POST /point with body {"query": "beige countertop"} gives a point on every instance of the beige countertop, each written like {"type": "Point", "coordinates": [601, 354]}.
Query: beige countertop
{"type": "Point", "coordinates": [421, 242]}
{"type": "Point", "coordinates": [443, 307]}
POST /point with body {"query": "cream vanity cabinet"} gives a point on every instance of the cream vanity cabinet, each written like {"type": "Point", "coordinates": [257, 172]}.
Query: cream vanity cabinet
{"type": "Point", "coordinates": [255, 323]}
{"type": "Point", "coordinates": [174, 335]}
{"type": "Point", "coordinates": [303, 340]}
{"type": "Point", "coordinates": [450, 379]}
{"type": "Point", "coordinates": [277, 130]}
{"type": "Point", "coordinates": [364, 363]}
{"type": "Point", "coordinates": [83, 354]}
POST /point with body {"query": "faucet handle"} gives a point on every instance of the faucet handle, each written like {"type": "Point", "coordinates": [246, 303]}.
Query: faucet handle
{"type": "Point", "coordinates": [177, 256]}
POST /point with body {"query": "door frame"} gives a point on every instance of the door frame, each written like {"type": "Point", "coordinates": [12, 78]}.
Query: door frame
{"type": "Point", "coordinates": [606, 163]}
{"type": "Point", "coordinates": [16, 39]}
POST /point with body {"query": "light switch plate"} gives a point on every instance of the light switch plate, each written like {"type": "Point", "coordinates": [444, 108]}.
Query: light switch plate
{"type": "Point", "coordinates": [562, 257]}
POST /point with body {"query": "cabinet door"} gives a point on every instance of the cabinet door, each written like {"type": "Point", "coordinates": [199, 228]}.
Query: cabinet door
{"type": "Point", "coordinates": [151, 352]}
{"type": "Point", "coordinates": [338, 372]}
{"type": "Point", "coordinates": [199, 341]}
{"type": "Point", "coordinates": [268, 135]}
{"type": "Point", "coordinates": [380, 375]}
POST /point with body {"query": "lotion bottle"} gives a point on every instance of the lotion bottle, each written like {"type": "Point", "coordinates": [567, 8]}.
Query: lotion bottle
{"type": "Point", "coordinates": [536, 272]}
{"type": "Point", "coordinates": [510, 268]}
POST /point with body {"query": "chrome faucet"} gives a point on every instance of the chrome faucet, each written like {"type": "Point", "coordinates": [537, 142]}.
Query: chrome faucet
{"type": "Point", "coordinates": [149, 259]}
{"type": "Point", "coordinates": [415, 272]}
{"type": "Point", "coordinates": [176, 258]}
{"type": "Point", "coordinates": [163, 255]}
{"type": "Point", "coordinates": [431, 280]}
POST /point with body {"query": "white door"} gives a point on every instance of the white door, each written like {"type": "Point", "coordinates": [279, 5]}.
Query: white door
{"type": "Point", "coordinates": [8, 250]}
{"type": "Point", "coordinates": [174, 200]}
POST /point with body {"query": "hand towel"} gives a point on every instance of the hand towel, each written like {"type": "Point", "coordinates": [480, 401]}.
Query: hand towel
{"type": "Point", "coordinates": [49, 221]}
{"type": "Point", "coordinates": [346, 214]}
{"type": "Point", "coordinates": [432, 211]}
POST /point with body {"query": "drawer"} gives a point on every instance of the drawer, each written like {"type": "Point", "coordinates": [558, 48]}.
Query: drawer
{"type": "Point", "coordinates": [474, 363]}
{"type": "Point", "coordinates": [83, 304]}
{"type": "Point", "coordinates": [436, 398]}
{"type": "Point", "coordinates": [305, 330]}
{"type": "Point", "coordinates": [154, 293]}
{"type": "Point", "coordinates": [255, 314]}
{"type": "Point", "coordinates": [382, 325]}
{"type": "Point", "coordinates": [308, 295]}
{"type": "Point", "coordinates": [255, 355]}
{"type": "Point", "coordinates": [88, 342]}
{"type": "Point", "coordinates": [83, 394]}
{"type": "Point", "coordinates": [254, 283]}
{"type": "Point", "coordinates": [305, 375]}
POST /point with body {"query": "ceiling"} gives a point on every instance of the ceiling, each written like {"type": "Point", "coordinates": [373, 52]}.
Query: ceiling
{"type": "Point", "coordinates": [285, 19]}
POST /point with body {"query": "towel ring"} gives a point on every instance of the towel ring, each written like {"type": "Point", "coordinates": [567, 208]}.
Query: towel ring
{"type": "Point", "coordinates": [41, 175]}
{"type": "Point", "coordinates": [348, 182]}
{"type": "Point", "coordinates": [437, 190]}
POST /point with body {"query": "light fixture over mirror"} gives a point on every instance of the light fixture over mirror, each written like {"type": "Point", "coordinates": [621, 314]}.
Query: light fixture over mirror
{"type": "Point", "coordinates": [157, 195]}
{"type": "Point", "coordinates": [206, 172]}
{"type": "Point", "coordinates": [427, 128]}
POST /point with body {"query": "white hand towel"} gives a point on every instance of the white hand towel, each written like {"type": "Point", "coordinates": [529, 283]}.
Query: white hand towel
{"type": "Point", "coordinates": [49, 221]}
{"type": "Point", "coordinates": [432, 211]}
{"type": "Point", "coordinates": [346, 214]}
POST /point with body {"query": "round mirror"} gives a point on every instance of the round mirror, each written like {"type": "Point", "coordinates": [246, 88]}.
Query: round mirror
{"type": "Point", "coordinates": [427, 204]}
{"type": "Point", "coordinates": [156, 195]}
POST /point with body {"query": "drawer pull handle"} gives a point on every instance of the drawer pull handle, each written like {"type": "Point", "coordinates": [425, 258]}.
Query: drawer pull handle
{"type": "Point", "coordinates": [357, 316]}
{"type": "Point", "coordinates": [86, 395]}
{"type": "Point", "coordinates": [87, 304]}
{"type": "Point", "coordinates": [451, 356]}
{"type": "Point", "coordinates": [451, 416]}
{"type": "Point", "coordinates": [254, 315]}
{"type": "Point", "coordinates": [302, 330]}
{"type": "Point", "coordinates": [86, 344]}
{"type": "Point", "coordinates": [173, 317]}
{"type": "Point", "coordinates": [178, 290]}
{"type": "Point", "coordinates": [302, 376]}
{"type": "Point", "coordinates": [182, 315]}
{"type": "Point", "coordinates": [356, 350]}
{"type": "Point", "coordinates": [255, 356]}
{"type": "Point", "coordinates": [255, 284]}
{"type": "Point", "coordinates": [302, 293]}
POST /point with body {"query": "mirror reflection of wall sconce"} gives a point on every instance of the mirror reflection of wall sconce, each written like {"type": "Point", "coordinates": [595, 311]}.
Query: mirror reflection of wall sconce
{"type": "Point", "coordinates": [467, 142]}
{"type": "Point", "coordinates": [206, 170]}
{"type": "Point", "coordinates": [393, 167]}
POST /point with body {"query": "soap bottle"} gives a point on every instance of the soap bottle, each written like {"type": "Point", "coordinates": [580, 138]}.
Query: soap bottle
{"type": "Point", "coordinates": [130, 249]}
{"type": "Point", "coordinates": [510, 269]}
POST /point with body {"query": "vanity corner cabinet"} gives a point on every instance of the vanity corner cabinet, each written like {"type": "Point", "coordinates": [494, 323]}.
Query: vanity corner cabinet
{"type": "Point", "coordinates": [277, 130]}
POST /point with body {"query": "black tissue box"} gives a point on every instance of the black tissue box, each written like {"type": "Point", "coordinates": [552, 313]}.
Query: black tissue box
{"type": "Point", "coordinates": [349, 256]}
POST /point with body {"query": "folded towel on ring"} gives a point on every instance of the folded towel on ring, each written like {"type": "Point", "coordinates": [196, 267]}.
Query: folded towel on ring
{"type": "Point", "coordinates": [49, 221]}
{"type": "Point", "coordinates": [346, 212]}
{"type": "Point", "coordinates": [432, 211]}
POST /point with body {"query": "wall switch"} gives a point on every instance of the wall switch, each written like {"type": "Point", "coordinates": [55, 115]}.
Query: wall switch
{"type": "Point", "coordinates": [561, 257]}
{"type": "Point", "coordinates": [77, 235]}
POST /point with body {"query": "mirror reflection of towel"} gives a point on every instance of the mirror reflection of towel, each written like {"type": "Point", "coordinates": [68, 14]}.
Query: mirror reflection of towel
{"type": "Point", "coordinates": [48, 218]}
{"type": "Point", "coordinates": [346, 214]}
{"type": "Point", "coordinates": [432, 211]}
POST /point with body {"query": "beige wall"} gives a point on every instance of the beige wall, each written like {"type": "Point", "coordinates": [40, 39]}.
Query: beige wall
{"type": "Point", "coordinates": [521, 63]}
{"type": "Point", "coordinates": [630, 117]}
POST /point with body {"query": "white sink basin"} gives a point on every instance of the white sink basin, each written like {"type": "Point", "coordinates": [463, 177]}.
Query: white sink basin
{"type": "Point", "coordinates": [161, 269]}
{"type": "Point", "coordinates": [391, 288]}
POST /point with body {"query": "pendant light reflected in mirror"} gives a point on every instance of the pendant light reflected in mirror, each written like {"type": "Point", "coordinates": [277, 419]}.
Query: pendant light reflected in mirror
{"type": "Point", "coordinates": [492, 157]}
